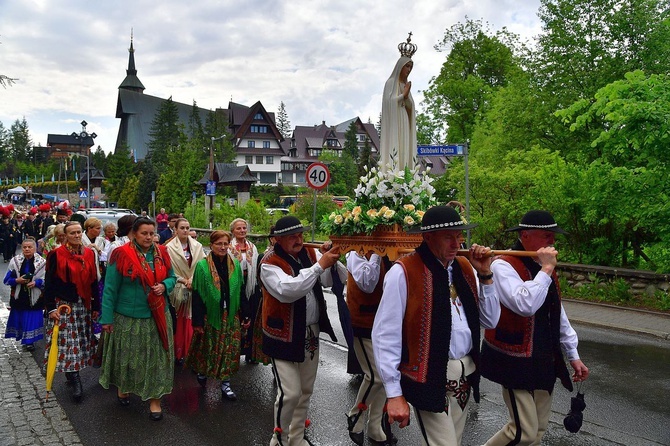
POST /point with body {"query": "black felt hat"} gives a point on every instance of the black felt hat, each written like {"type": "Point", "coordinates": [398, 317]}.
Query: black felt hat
{"type": "Point", "coordinates": [289, 225]}
{"type": "Point", "coordinates": [542, 220]}
{"type": "Point", "coordinates": [439, 218]}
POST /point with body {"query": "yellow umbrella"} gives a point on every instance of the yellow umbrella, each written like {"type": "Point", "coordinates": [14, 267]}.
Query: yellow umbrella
{"type": "Point", "coordinates": [53, 350]}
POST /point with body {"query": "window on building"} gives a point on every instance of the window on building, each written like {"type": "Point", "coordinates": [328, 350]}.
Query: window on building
{"type": "Point", "coordinates": [268, 177]}
{"type": "Point", "coordinates": [269, 160]}
{"type": "Point", "coordinates": [258, 128]}
{"type": "Point", "coordinates": [266, 144]}
{"type": "Point", "coordinates": [287, 177]}
{"type": "Point", "coordinates": [259, 160]}
{"type": "Point", "coordinates": [361, 138]}
{"type": "Point", "coordinates": [248, 159]}
{"type": "Point", "coordinates": [314, 152]}
{"type": "Point", "coordinates": [251, 144]}
{"type": "Point", "coordinates": [258, 116]}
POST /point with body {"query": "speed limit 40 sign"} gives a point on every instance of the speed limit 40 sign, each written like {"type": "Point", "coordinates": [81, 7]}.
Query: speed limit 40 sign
{"type": "Point", "coordinates": [317, 176]}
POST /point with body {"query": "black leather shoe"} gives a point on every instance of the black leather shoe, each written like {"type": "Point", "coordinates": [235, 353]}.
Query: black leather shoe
{"type": "Point", "coordinates": [30, 348]}
{"type": "Point", "coordinates": [77, 389]}
{"type": "Point", "coordinates": [388, 442]}
{"type": "Point", "coordinates": [202, 380]}
{"type": "Point", "coordinates": [156, 416]}
{"type": "Point", "coordinates": [123, 400]}
{"type": "Point", "coordinates": [357, 437]}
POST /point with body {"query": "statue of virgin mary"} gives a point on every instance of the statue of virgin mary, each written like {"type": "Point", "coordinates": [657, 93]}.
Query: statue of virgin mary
{"type": "Point", "coordinates": [398, 126]}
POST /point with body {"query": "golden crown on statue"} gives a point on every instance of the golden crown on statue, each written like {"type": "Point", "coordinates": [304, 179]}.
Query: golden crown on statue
{"type": "Point", "coordinates": [407, 49]}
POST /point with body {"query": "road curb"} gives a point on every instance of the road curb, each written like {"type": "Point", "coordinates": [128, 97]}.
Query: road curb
{"type": "Point", "coordinates": [633, 330]}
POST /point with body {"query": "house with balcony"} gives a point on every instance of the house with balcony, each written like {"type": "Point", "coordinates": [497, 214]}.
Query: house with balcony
{"type": "Point", "coordinates": [257, 141]}
{"type": "Point", "coordinates": [309, 142]}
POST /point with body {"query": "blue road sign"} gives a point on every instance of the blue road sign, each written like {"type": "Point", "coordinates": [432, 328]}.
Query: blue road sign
{"type": "Point", "coordinates": [83, 194]}
{"type": "Point", "coordinates": [437, 150]}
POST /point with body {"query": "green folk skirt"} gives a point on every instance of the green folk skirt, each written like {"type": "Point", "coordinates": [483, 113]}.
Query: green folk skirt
{"type": "Point", "coordinates": [134, 359]}
{"type": "Point", "coordinates": [216, 353]}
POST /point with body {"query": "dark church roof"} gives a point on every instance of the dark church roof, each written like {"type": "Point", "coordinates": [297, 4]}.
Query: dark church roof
{"type": "Point", "coordinates": [137, 110]}
{"type": "Point", "coordinates": [227, 173]}
{"type": "Point", "coordinates": [132, 82]}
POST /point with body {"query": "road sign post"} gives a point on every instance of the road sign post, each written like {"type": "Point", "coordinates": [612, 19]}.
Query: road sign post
{"type": "Point", "coordinates": [317, 176]}
{"type": "Point", "coordinates": [451, 150]}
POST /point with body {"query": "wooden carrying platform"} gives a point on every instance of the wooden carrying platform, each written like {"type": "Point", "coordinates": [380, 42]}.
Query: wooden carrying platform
{"type": "Point", "coordinates": [385, 240]}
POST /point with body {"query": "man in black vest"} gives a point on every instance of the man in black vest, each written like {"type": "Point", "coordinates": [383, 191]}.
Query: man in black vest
{"type": "Point", "coordinates": [426, 333]}
{"type": "Point", "coordinates": [523, 353]}
{"type": "Point", "coordinates": [293, 314]}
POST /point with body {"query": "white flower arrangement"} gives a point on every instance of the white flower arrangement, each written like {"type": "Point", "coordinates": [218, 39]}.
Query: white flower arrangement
{"type": "Point", "coordinates": [383, 198]}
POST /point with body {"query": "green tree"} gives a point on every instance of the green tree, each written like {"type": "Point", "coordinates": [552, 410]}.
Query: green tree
{"type": "Point", "coordinates": [351, 142]}
{"type": "Point", "coordinates": [366, 158]}
{"type": "Point", "coordinates": [479, 62]}
{"type": "Point", "coordinates": [165, 133]}
{"type": "Point", "coordinates": [196, 130]}
{"type": "Point", "coordinates": [629, 183]}
{"type": "Point", "coordinates": [4, 143]}
{"type": "Point", "coordinates": [216, 126]}
{"type": "Point", "coordinates": [128, 196]}
{"type": "Point", "coordinates": [587, 44]}
{"type": "Point", "coordinates": [120, 168]}
{"type": "Point", "coordinates": [19, 141]}
{"type": "Point", "coordinates": [179, 180]}
{"type": "Point", "coordinates": [99, 159]}
{"type": "Point", "coordinates": [283, 123]}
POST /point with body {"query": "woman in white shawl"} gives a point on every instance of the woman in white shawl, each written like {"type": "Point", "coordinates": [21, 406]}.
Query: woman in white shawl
{"type": "Point", "coordinates": [247, 254]}
{"type": "Point", "coordinates": [184, 253]}
{"type": "Point", "coordinates": [25, 276]}
{"type": "Point", "coordinates": [398, 131]}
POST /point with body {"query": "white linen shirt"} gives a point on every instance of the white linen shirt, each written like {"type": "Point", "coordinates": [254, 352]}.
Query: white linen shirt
{"type": "Point", "coordinates": [525, 298]}
{"type": "Point", "coordinates": [364, 272]}
{"type": "Point", "coordinates": [387, 328]}
{"type": "Point", "coordinates": [288, 289]}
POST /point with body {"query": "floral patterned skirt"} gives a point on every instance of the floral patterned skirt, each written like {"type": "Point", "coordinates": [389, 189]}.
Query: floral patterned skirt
{"type": "Point", "coordinates": [75, 335]}
{"type": "Point", "coordinates": [216, 353]}
{"type": "Point", "coordinates": [134, 359]}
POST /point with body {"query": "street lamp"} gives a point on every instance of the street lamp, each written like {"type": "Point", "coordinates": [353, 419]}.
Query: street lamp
{"type": "Point", "coordinates": [83, 135]}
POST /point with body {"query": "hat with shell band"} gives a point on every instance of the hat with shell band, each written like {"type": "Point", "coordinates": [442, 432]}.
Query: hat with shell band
{"type": "Point", "coordinates": [289, 225]}
{"type": "Point", "coordinates": [541, 220]}
{"type": "Point", "coordinates": [439, 218]}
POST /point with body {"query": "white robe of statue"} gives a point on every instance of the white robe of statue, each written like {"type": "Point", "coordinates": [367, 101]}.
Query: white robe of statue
{"type": "Point", "coordinates": [398, 132]}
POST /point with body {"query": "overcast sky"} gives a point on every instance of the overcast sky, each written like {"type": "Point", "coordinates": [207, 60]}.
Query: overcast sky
{"type": "Point", "coordinates": [326, 60]}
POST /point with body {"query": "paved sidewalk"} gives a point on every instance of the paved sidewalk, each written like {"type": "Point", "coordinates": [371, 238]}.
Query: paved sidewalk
{"type": "Point", "coordinates": [25, 417]}
{"type": "Point", "coordinates": [617, 318]}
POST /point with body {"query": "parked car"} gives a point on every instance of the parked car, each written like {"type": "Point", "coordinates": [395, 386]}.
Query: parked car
{"type": "Point", "coordinates": [106, 215]}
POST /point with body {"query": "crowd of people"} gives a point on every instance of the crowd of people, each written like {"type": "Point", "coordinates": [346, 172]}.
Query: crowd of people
{"type": "Point", "coordinates": [145, 297]}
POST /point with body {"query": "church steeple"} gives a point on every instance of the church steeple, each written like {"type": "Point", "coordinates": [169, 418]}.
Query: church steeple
{"type": "Point", "coordinates": [132, 82]}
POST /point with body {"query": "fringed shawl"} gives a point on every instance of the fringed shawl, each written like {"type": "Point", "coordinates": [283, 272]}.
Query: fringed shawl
{"type": "Point", "coordinates": [251, 254]}
{"type": "Point", "coordinates": [79, 269]}
{"type": "Point", "coordinates": [180, 294]}
{"type": "Point", "coordinates": [207, 283]}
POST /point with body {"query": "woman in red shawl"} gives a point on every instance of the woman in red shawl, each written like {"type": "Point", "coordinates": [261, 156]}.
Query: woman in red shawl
{"type": "Point", "coordinates": [72, 279]}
